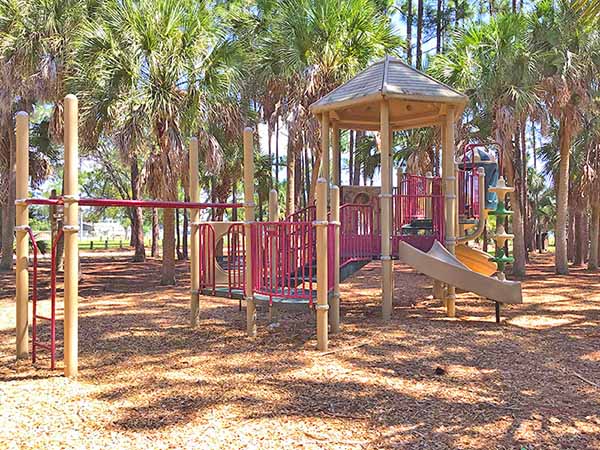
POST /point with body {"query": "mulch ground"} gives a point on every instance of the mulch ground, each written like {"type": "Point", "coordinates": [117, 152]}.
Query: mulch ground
{"type": "Point", "coordinates": [420, 381]}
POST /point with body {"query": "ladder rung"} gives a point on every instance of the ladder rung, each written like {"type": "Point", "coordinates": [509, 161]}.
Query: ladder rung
{"type": "Point", "coordinates": [43, 318]}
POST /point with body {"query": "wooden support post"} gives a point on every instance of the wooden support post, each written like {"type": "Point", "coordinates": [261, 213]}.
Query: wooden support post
{"type": "Point", "coordinates": [322, 258]}
{"type": "Point", "coordinates": [71, 270]}
{"type": "Point", "coordinates": [22, 225]}
{"type": "Point", "coordinates": [325, 169]}
{"type": "Point", "coordinates": [386, 209]}
{"type": "Point", "coordinates": [249, 220]}
{"type": "Point", "coordinates": [449, 172]}
{"type": "Point", "coordinates": [273, 217]}
{"type": "Point", "coordinates": [195, 235]}
{"type": "Point", "coordinates": [334, 310]}
{"type": "Point", "coordinates": [335, 145]}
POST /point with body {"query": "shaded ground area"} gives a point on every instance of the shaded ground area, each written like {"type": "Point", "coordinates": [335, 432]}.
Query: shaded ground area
{"type": "Point", "coordinates": [420, 381]}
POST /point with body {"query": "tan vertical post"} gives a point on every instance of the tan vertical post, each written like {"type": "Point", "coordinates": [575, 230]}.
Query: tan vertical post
{"type": "Point", "coordinates": [450, 199]}
{"type": "Point", "coordinates": [22, 224]}
{"type": "Point", "coordinates": [334, 310]}
{"type": "Point", "coordinates": [335, 145]}
{"type": "Point", "coordinates": [386, 206]}
{"type": "Point", "coordinates": [325, 169]}
{"type": "Point", "coordinates": [249, 220]}
{"type": "Point", "coordinates": [195, 236]}
{"type": "Point", "coordinates": [71, 269]}
{"type": "Point", "coordinates": [321, 224]}
{"type": "Point", "coordinates": [429, 192]}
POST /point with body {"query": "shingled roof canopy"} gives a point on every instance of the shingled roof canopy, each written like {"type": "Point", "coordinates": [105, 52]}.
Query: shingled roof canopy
{"type": "Point", "coordinates": [415, 99]}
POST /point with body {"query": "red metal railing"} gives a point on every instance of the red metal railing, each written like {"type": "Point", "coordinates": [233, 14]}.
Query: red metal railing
{"type": "Point", "coordinates": [468, 194]}
{"type": "Point", "coordinates": [418, 211]}
{"type": "Point", "coordinates": [35, 344]}
{"type": "Point", "coordinates": [236, 257]}
{"type": "Point", "coordinates": [112, 202]}
{"type": "Point", "coordinates": [357, 233]}
{"type": "Point", "coordinates": [308, 214]}
{"type": "Point", "coordinates": [284, 260]}
{"type": "Point", "coordinates": [207, 259]}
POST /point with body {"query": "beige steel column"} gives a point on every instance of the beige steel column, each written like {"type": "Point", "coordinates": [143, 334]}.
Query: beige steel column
{"type": "Point", "coordinates": [386, 209]}
{"type": "Point", "coordinates": [249, 220]}
{"type": "Point", "coordinates": [322, 305]}
{"type": "Point", "coordinates": [22, 225]}
{"type": "Point", "coordinates": [449, 173]}
{"type": "Point", "coordinates": [195, 236]}
{"type": "Point", "coordinates": [325, 169]}
{"type": "Point", "coordinates": [335, 145]}
{"type": "Point", "coordinates": [71, 269]}
{"type": "Point", "coordinates": [334, 310]}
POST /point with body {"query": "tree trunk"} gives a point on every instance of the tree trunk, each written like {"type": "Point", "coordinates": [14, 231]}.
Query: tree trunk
{"type": "Point", "coordinates": [350, 156]}
{"type": "Point", "coordinates": [178, 251]}
{"type": "Point", "coordinates": [277, 154]}
{"type": "Point", "coordinates": [155, 233]}
{"type": "Point", "coordinates": [561, 263]}
{"type": "Point", "coordinates": [518, 267]}
{"type": "Point", "coordinates": [409, 21]}
{"type": "Point", "coordinates": [438, 26]}
{"type": "Point", "coordinates": [186, 225]}
{"type": "Point", "coordinates": [419, 34]}
{"type": "Point", "coordinates": [168, 256]}
{"type": "Point", "coordinates": [594, 232]}
{"type": "Point", "coordinates": [571, 236]}
{"type": "Point", "coordinates": [137, 222]}
{"type": "Point", "coordinates": [579, 236]}
{"type": "Point", "coordinates": [290, 200]}
{"type": "Point", "coordinates": [356, 171]}
{"type": "Point", "coordinates": [8, 210]}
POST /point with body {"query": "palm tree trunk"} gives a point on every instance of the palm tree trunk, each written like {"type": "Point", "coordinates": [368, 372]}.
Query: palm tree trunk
{"type": "Point", "coordinates": [419, 34]}
{"type": "Point", "coordinates": [571, 235]}
{"type": "Point", "coordinates": [290, 200]}
{"type": "Point", "coordinates": [518, 268]}
{"type": "Point", "coordinates": [561, 262]}
{"type": "Point", "coordinates": [168, 256]}
{"type": "Point", "coordinates": [579, 236]}
{"type": "Point", "coordinates": [350, 156]}
{"type": "Point", "coordinates": [186, 224]}
{"type": "Point", "coordinates": [8, 211]}
{"type": "Point", "coordinates": [356, 171]}
{"type": "Point", "coordinates": [277, 153]}
{"type": "Point", "coordinates": [137, 222]}
{"type": "Point", "coordinates": [155, 233]}
{"type": "Point", "coordinates": [409, 21]}
{"type": "Point", "coordinates": [594, 232]}
{"type": "Point", "coordinates": [438, 26]}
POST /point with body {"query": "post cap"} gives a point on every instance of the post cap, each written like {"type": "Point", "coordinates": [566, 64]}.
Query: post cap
{"type": "Point", "coordinates": [248, 130]}
{"type": "Point", "coordinates": [22, 114]}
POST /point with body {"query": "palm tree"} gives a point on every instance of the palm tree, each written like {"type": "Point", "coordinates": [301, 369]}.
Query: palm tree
{"type": "Point", "coordinates": [35, 41]}
{"type": "Point", "coordinates": [310, 47]}
{"type": "Point", "coordinates": [570, 57]}
{"type": "Point", "coordinates": [496, 65]}
{"type": "Point", "coordinates": [154, 57]}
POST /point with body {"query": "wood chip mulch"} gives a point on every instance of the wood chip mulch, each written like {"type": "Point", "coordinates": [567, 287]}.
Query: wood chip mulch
{"type": "Point", "coordinates": [421, 381]}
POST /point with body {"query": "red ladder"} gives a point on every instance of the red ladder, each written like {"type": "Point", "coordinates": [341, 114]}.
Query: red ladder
{"type": "Point", "coordinates": [51, 347]}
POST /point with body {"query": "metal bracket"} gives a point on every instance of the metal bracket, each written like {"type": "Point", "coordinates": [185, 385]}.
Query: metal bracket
{"type": "Point", "coordinates": [321, 307]}
{"type": "Point", "coordinates": [71, 228]}
{"type": "Point", "coordinates": [21, 201]}
{"type": "Point", "coordinates": [249, 204]}
{"type": "Point", "coordinates": [385, 195]}
{"type": "Point", "coordinates": [320, 223]}
{"type": "Point", "coordinates": [337, 223]}
{"type": "Point", "coordinates": [22, 228]}
{"type": "Point", "coordinates": [385, 258]}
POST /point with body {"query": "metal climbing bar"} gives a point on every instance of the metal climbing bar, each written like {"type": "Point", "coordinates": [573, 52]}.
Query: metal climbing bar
{"type": "Point", "coordinates": [111, 202]}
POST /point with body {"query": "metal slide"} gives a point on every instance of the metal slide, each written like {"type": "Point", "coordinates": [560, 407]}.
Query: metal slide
{"type": "Point", "coordinates": [441, 265]}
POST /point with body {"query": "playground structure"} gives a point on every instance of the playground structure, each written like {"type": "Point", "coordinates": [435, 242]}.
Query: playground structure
{"type": "Point", "coordinates": [302, 259]}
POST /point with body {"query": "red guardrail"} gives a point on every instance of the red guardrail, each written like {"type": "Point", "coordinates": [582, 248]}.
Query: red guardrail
{"type": "Point", "coordinates": [207, 260]}
{"type": "Point", "coordinates": [284, 260]}
{"type": "Point", "coordinates": [357, 233]}
{"type": "Point", "coordinates": [468, 194]}
{"type": "Point", "coordinates": [35, 344]}
{"type": "Point", "coordinates": [236, 257]}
